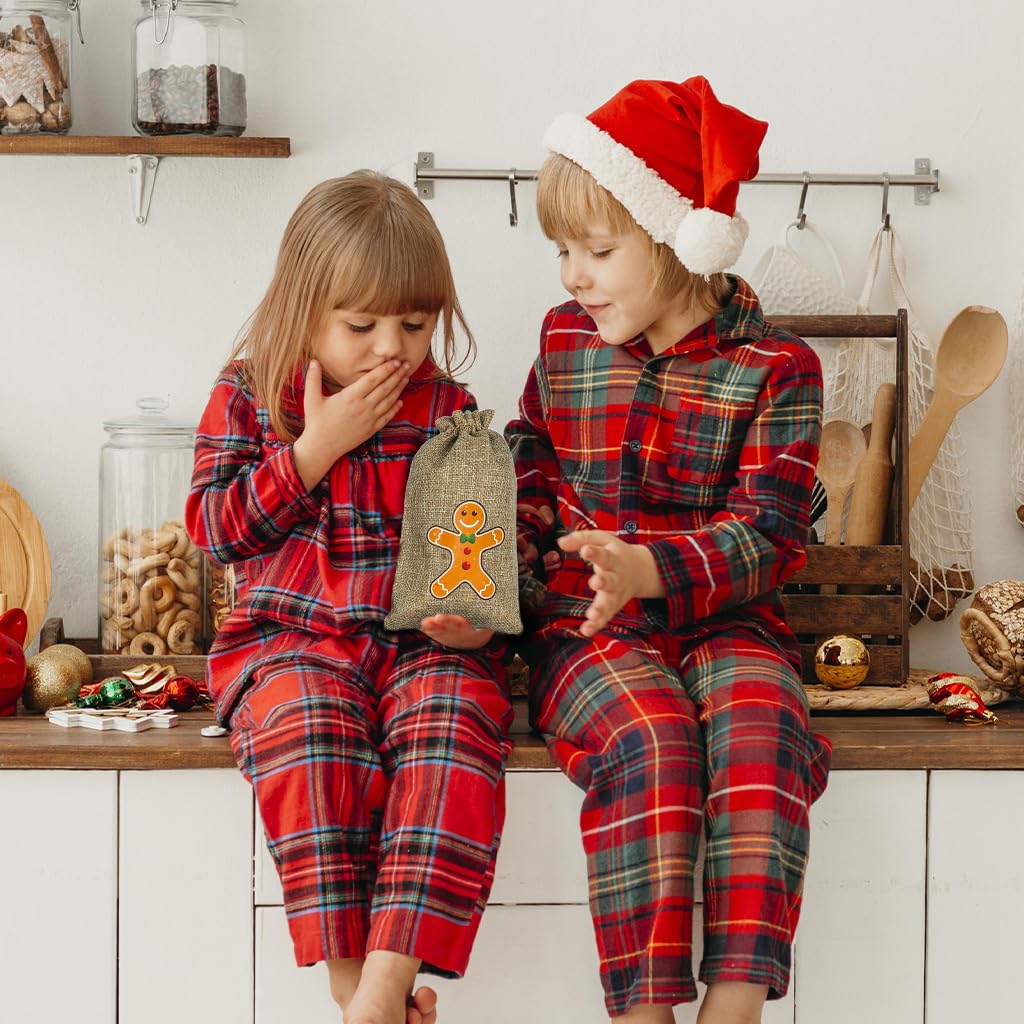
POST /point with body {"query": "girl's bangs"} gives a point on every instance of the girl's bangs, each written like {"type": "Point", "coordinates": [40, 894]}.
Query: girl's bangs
{"type": "Point", "coordinates": [390, 279]}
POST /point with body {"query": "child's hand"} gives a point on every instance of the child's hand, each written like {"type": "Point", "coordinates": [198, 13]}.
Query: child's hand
{"type": "Point", "coordinates": [455, 631]}
{"type": "Point", "coordinates": [621, 572]}
{"type": "Point", "coordinates": [335, 424]}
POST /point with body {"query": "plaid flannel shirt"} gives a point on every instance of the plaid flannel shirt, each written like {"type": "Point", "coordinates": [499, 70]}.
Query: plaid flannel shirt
{"type": "Point", "coordinates": [704, 452]}
{"type": "Point", "coordinates": [319, 561]}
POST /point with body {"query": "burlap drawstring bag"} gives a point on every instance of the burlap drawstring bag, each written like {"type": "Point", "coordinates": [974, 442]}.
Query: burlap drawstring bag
{"type": "Point", "coordinates": [458, 547]}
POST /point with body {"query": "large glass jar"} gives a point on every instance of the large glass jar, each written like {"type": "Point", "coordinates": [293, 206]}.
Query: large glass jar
{"type": "Point", "coordinates": [189, 60]}
{"type": "Point", "coordinates": [35, 65]}
{"type": "Point", "coordinates": [151, 576]}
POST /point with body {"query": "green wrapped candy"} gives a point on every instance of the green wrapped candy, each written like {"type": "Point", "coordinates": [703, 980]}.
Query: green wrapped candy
{"type": "Point", "coordinates": [116, 692]}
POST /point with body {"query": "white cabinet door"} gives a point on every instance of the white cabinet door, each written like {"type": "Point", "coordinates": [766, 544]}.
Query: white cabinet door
{"type": "Point", "coordinates": [860, 943]}
{"type": "Point", "coordinates": [975, 897]}
{"type": "Point", "coordinates": [58, 926]}
{"type": "Point", "coordinates": [529, 964]}
{"type": "Point", "coordinates": [541, 858]}
{"type": "Point", "coordinates": [286, 994]}
{"type": "Point", "coordinates": [186, 891]}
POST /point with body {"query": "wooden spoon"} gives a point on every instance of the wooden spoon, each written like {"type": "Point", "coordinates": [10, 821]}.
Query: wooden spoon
{"type": "Point", "coordinates": [971, 354]}
{"type": "Point", "coordinates": [842, 448]}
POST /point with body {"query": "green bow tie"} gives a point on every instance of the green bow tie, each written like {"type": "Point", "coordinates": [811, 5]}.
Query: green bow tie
{"type": "Point", "coordinates": [467, 538]}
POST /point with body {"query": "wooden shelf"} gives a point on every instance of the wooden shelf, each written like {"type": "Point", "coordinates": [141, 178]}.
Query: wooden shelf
{"type": "Point", "coordinates": [887, 740]}
{"type": "Point", "coordinates": [143, 145]}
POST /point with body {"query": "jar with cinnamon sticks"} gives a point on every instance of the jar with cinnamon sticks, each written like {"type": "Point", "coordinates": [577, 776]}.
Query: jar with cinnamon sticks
{"type": "Point", "coordinates": [35, 64]}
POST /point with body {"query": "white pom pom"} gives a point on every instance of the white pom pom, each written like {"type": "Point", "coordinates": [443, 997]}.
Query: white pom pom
{"type": "Point", "coordinates": [708, 242]}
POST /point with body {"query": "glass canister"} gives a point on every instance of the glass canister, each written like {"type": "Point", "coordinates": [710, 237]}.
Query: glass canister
{"type": "Point", "coordinates": [189, 61]}
{"type": "Point", "coordinates": [151, 576]}
{"type": "Point", "coordinates": [35, 65]}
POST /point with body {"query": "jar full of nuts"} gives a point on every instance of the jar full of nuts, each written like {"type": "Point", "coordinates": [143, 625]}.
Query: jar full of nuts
{"type": "Point", "coordinates": [151, 575]}
{"type": "Point", "coordinates": [189, 60]}
{"type": "Point", "coordinates": [35, 65]}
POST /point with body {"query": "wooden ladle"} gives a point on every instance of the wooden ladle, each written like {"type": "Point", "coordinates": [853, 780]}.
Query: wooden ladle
{"type": "Point", "coordinates": [842, 448]}
{"type": "Point", "coordinates": [970, 356]}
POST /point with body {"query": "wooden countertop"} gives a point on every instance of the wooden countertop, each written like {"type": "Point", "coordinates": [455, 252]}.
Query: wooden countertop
{"type": "Point", "coordinates": [893, 740]}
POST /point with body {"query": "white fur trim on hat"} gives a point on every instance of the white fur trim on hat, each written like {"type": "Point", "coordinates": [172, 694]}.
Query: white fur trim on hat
{"type": "Point", "coordinates": [654, 204]}
{"type": "Point", "coordinates": [705, 241]}
{"type": "Point", "coordinates": [708, 241]}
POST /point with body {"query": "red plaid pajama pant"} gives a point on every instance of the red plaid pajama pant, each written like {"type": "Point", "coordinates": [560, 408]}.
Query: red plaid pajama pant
{"type": "Point", "coordinates": [378, 772]}
{"type": "Point", "coordinates": [665, 736]}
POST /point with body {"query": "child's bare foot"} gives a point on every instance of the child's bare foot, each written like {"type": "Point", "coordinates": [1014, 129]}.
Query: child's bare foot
{"type": "Point", "coordinates": [422, 1007]}
{"type": "Point", "coordinates": [383, 993]}
{"type": "Point", "coordinates": [375, 1008]}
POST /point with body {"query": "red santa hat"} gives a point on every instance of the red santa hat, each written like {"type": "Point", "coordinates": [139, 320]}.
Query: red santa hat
{"type": "Point", "coordinates": [674, 156]}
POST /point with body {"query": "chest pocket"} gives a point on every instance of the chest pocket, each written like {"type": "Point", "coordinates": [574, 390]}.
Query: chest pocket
{"type": "Point", "coordinates": [704, 447]}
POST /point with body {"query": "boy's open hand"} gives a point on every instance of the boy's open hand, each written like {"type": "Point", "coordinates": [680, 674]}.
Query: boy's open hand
{"type": "Point", "coordinates": [335, 424]}
{"type": "Point", "coordinates": [455, 631]}
{"type": "Point", "coordinates": [621, 572]}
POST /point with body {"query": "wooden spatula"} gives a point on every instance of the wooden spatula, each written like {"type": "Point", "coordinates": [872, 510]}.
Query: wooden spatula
{"type": "Point", "coordinates": [971, 354]}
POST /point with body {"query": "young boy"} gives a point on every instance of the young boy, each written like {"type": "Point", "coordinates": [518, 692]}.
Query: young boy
{"type": "Point", "coordinates": [673, 433]}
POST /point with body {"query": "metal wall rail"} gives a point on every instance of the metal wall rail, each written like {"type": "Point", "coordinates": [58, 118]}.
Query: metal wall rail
{"type": "Point", "coordinates": [924, 181]}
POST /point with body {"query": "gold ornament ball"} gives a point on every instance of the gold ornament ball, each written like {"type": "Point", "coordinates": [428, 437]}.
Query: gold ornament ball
{"type": "Point", "coordinates": [52, 680]}
{"type": "Point", "coordinates": [78, 657]}
{"type": "Point", "coordinates": [842, 662]}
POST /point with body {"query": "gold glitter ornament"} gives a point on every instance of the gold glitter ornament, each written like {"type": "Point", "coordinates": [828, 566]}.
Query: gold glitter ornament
{"type": "Point", "coordinates": [51, 682]}
{"type": "Point", "coordinates": [78, 657]}
{"type": "Point", "coordinates": [842, 662]}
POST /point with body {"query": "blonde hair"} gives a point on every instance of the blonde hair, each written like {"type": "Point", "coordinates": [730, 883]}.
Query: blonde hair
{"type": "Point", "coordinates": [569, 201]}
{"type": "Point", "coordinates": [362, 242]}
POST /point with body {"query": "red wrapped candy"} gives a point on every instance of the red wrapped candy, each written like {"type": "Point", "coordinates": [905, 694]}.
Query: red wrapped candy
{"type": "Point", "coordinates": [181, 692]}
{"type": "Point", "coordinates": [955, 696]}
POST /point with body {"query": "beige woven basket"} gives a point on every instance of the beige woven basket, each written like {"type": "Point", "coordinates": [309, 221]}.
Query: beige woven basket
{"type": "Point", "coordinates": [912, 696]}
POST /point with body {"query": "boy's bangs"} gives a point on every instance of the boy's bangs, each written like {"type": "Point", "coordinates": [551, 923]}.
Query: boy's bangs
{"type": "Point", "coordinates": [389, 279]}
{"type": "Point", "coordinates": [570, 202]}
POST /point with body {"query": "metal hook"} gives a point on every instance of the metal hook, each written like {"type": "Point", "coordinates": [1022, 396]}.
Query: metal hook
{"type": "Point", "coordinates": [75, 9]}
{"type": "Point", "coordinates": [155, 5]}
{"type": "Point", "coordinates": [885, 202]}
{"type": "Point", "coordinates": [801, 217]}
{"type": "Point", "coordinates": [513, 217]}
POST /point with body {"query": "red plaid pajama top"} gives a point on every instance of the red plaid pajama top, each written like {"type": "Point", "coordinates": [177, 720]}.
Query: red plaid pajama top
{"type": "Point", "coordinates": [705, 452]}
{"type": "Point", "coordinates": [321, 561]}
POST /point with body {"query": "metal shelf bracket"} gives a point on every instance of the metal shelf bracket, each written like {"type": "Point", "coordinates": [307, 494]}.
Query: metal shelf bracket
{"type": "Point", "coordinates": [142, 178]}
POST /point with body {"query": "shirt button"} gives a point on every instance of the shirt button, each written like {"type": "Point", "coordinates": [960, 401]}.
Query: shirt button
{"type": "Point", "coordinates": [630, 526]}
{"type": "Point", "coordinates": [635, 446]}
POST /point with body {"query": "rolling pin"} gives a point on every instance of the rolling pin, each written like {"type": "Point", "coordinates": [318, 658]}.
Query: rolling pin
{"type": "Point", "coordinates": [872, 486]}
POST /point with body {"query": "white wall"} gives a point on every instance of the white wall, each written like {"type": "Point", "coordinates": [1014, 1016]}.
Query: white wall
{"type": "Point", "coordinates": [98, 311]}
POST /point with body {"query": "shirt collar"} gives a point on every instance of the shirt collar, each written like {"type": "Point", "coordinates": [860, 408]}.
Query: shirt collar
{"type": "Point", "coordinates": [740, 319]}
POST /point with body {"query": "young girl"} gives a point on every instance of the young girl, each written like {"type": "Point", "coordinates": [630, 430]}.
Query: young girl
{"type": "Point", "coordinates": [674, 433]}
{"type": "Point", "coordinates": [376, 757]}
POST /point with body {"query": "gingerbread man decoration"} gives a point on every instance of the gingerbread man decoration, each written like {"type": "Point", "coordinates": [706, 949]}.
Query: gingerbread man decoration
{"type": "Point", "coordinates": [465, 547]}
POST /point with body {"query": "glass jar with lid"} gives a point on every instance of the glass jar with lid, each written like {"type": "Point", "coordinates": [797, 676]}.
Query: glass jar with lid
{"type": "Point", "coordinates": [35, 64]}
{"type": "Point", "coordinates": [189, 61]}
{"type": "Point", "coordinates": [151, 575]}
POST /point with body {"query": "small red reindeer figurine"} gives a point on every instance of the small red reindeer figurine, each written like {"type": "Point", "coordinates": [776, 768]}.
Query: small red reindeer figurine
{"type": "Point", "coordinates": [13, 627]}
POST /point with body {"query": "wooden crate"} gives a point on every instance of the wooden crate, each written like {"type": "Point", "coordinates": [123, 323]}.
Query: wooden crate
{"type": "Point", "coordinates": [881, 618]}
{"type": "Point", "coordinates": [103, 665]}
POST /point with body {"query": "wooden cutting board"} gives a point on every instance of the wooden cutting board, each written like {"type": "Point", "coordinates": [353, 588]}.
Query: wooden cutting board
{"type": "Point", "coordinates": [25, 574]}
